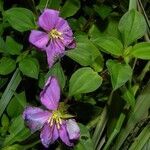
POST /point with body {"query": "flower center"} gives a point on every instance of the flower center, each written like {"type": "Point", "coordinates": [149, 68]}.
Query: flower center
{"type": "Point", "coordinates": [54, 33]}
{"type": "Point", "coordinates": [55, 119]}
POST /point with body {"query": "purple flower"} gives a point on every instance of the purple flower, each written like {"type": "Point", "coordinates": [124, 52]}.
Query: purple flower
{"type": "Point", "coordinates": [52, 122]}
{"type": "Point", "coordinates": [56, 36]}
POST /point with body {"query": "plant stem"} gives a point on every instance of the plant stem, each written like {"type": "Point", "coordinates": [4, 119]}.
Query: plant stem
{"type": "Point", "coordinates": [132, 4]}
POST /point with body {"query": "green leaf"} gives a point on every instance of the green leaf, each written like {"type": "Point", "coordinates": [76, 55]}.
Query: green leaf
{"type": "Point", "coordinates": [58, 72]}
{"type": "Point", "coordinates": [141, 50]}
{"type": "Point", "coordinates": [139, 113]}
{"type": "Point", "coordinates": [18, 104]}
{"type": "Point", "coordinates": [147, 145]}
{"type": "Point", "coordinates": [112, 28]}
{"type": "Point", "coordinates": [14, 147]}
{"type": "Point", "coordinates": [5, 121]}
{"type": "Point", "coordinates": [17, 131]}
{"type": "Point", "coordinates": [2, 45]}
{"type": "Point", "coordinates": [132, 26]}
{"type": "Point", "coordinates": [94, 32]}
{"type": "Point", "coordinates": [7, 65]}
{"type": "Point", "coordinates": [116, 130]}
{"type": "Point", "coordinates": [84, 80]}
{"type": "Point", "coordinates": [128, 96]}
{"type": "Point", "coordinates": [109, 45]}
{"type": "Point", "coordinates": [30, 67]}
{"type": "Point", "coordinates": [103, 10]}
{"type": "Point", "coordinates": [142, 139]}
{"type": "Point", "coordinates": [120, 73]}
{"type": "Point", "coordinates": [12, 46]}
{"type": "Point", "coordinates": [70, 8]}
{"type": "Point", "coordinates": [5, 125]}
{"type": "Point", "coordinates": [53, 4]}
{"type": "Point", "coordinates": [86, 53]}
{"type": "Point", "coordinates": [9, 91]}
{"type": "Point", "coordinates": [85, 141]}
{"type": "Point", "coordinates": [20, 19]}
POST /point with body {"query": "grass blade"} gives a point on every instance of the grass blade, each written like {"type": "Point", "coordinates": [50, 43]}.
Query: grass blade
{"type": "Point", "coordinates": [140, 112]}
{"type": "Point", "coordinates": [141, 140]}
{"type": "Point", "coordinates": [9, 91]}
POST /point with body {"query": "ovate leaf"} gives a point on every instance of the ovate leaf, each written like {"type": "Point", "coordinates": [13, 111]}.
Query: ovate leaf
{"type": "Point", "coordinates": [132, 26]}
{"type": "Point", "coordinates": [12, 46]}
{"type": "Point", "coordinates": [86, 53]}
{"type": "Point", "coordinates": [120, 73]}
{"type": "Point", "coordinates": [141, 50]}
{"type": "Point", "coordinates": [84, 80]}
{"type": "Point", "coordinates": [109, 45]}
{"type": "Point", "coordinates": [20, 19]}
{"type": "Point", "coordinates": [30, 67]}
{"type": "Point", "coordinates": [7, 65]}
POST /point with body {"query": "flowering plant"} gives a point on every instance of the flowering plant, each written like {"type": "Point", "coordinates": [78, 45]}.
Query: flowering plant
{"type": "Point", "coordinates": [74, 74]}
{"type": "Point", "coordinates": [54, 122]}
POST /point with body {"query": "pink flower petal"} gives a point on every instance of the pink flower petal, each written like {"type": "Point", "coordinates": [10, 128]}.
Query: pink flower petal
{"type": "Point", "coordinates": [55, 50]}
{"type": "Point", "coordinates": [68, 41]}
{"type": "Point", "coordinates": [63, 27]}
{"type": "Point", "coordinates": [64, 135]}
{"type": "Point", "coordinates": [35, 117]}
{"type": "Point", "coordinates": [73, 129]}
{"type": "Point", "coordinates": [48, 19]}
{"type": "Point", "coordinates": [48, 135]}
{"type": "Point", "coordinates": [50, 95]}
{"type": "Point", "coordinates": [38, 38]}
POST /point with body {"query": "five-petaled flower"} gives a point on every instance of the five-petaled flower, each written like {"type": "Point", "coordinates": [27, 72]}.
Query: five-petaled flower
{"type": "Point", "coordinates": [51, 122]}
{"type": "Point", "coordinates": [56, 35]}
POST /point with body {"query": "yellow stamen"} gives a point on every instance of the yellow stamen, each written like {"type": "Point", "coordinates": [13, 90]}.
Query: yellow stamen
{"type": "Point", "coordinates": [54, 33]}
{"type": "Point", "coordinates": [55, 119]}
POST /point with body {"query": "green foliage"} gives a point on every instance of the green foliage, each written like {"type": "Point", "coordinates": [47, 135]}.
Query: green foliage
{"type": "Point", "coordinates": [120, 73]}
{"type": "Point", "coordinates": [128, 96]}
{"type": "Point", "coordinates": [12, 47]}
{"type": "Point", "coordinates": [109, 45]}
{"type": "Point", "coordinates": [111, 39]}
{"type": "Point", "coordinates": [7, 65]}
{"type": "Point", "coordinates": [30, 67]}
{"type": "Point", "coordinates": [84, 80]}
{"type": "Point", "coordinates": [140, 112]}
{"type": "Point", "coordinates": [9, 91]}
{"type": "Point", "coordinates": [141, 50]}
{"type": "Point", "coordinates": [2, 45]}
{"type": "Point", "coordinates": [57, 71]}
{"type": "Point", "coordinates": [70, 8]}
{"type": "Point", "coordinates": [20, 19]}
{"type": "Point", "coordinates": [132, 26]}
{"type": "Point", "coordinates": [85, 141]}
{"type": "Point", "coordinates": [141, 140]}
{"type": "Point", "coordinates": [17, 103]}
{"type": "Point", "coordinates": [86, 54]}
{"type": "Point", "coordinates": [53, 4]}
{"type": "Point", "coordinates": [17, 131]}
{"type": "Point", "coordinates": [103, 10]}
